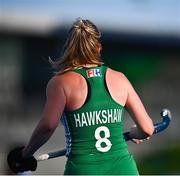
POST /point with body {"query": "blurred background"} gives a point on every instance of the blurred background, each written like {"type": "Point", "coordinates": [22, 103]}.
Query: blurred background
{"type": "Point", "coordinates": [140, 38]}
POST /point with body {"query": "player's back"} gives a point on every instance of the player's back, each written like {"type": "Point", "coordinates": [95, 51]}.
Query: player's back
{"type": "Point", "coordinates": [76, 88]}
{"type": "Point", "coordinates": [93, 120]}
{"type": "Point", "coordinates": [95, 126]}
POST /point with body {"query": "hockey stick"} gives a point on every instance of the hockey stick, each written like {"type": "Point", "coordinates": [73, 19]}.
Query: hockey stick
{"type": "Point", "coordinates": [158, 127]}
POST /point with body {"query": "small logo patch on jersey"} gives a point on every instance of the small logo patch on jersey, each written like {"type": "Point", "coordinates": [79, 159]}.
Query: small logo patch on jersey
{"type": "Point", "coordinates": [93, 73]}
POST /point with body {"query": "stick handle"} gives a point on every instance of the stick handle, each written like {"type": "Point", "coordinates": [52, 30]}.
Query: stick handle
{"type": "Point", "coordinates": [51, 155]}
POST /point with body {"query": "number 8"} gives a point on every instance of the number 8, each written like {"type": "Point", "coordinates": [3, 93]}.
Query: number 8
{"type": "Point", "coordinates": [105, 139]}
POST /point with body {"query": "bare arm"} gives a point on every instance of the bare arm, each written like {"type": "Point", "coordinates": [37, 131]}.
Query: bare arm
{"type": "Point", "coordinates": [50, 118]}
{"type": "Point", "coordinates": [137, 111]}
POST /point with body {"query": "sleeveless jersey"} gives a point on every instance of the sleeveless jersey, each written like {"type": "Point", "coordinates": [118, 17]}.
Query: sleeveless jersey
{"type": "Point", "coordinates": [96, 127]}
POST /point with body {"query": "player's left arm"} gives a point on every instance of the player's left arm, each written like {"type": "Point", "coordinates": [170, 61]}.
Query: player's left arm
{"type": "Point", "coordinates": [53, 110]}
{"type": "Point", "coordinates": [139, 114]}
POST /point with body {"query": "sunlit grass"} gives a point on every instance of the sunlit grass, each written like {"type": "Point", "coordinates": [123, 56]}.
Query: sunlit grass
{"type": "Point", "coordinates": [137, 67]}
{"type": "Point", "coordinates": [162, 162]}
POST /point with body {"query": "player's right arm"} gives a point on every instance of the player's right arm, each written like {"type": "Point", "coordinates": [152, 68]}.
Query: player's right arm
{"type": "Point", "coordinates": [52, 112]}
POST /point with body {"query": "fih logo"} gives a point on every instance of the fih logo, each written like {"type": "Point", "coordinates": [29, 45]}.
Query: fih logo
{"type": "Point", "coordinates": [93, 73]}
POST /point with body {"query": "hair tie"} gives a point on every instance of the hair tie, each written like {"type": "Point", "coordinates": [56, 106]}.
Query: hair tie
{"type": "Point", "coordinates": [80, 25]}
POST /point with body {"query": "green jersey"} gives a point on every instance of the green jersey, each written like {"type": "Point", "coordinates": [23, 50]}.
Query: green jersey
{"type": "Point", "coordinates": [94, 132]}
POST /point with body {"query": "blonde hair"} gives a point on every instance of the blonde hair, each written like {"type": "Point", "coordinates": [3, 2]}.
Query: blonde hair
{"type": "Point", "coordinates": [81, 47]}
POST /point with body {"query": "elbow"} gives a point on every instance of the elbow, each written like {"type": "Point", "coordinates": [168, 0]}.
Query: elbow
{"type": "Point", "coordinates": [49, 127]}
{"type": "Point", "coordinates": [149, 130]}
{"type": "Point", "coordinates": [48, 124]}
